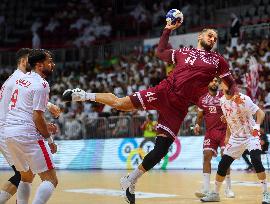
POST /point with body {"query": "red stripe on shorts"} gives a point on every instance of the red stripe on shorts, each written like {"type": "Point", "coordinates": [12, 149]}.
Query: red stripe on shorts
{"type": "Point", "coordinates": [46, 154]}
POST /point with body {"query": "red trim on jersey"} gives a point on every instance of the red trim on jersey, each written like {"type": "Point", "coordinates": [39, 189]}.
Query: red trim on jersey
{"type": "Point", "coordinates": [46, 154]}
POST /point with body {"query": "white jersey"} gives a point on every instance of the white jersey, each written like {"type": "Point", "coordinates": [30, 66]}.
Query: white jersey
{"type": "Point", "coordinates": [239, 117]}
{"type": "Point", "coordinates": [5, 94]}
{"type": "Point", "coordinates": [30, 93]}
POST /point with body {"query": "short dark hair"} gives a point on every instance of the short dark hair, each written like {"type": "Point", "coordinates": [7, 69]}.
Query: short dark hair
{"type": "Point", "coordinates": [37, 55]}
{"type": "Point", "coordinates": [206, 29]}
{"type": "Point", "coordinates": [21, 53]}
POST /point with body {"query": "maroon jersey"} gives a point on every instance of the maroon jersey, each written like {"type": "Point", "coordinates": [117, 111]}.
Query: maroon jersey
{"type": "Point", "coordinates": [194, 69]}
{"type": "Point", "coordinates": [210, 105]}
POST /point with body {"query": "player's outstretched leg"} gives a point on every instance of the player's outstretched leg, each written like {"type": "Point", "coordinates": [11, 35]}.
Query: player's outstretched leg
{"type": "Point", "coordinates": [223, 166]}
{"type": "Point", "coordinates": [150, 160]}
{"type": "Point", "coordinates": [255, 156]}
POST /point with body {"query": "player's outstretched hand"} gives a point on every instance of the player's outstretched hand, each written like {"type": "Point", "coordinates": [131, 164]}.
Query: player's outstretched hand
{"type": "Point", "coordinates": [223, 119]}
{"type": "Point", "coordinates": [173, 26]}
{"type": "Point", "coordinates": [74, 95]}
{"type": "Point", "coordinates": [53, 148]}
{"type": "Point", "coordinates": [52, 128]}
{"type": "Point", "coordinates": [54, 110]}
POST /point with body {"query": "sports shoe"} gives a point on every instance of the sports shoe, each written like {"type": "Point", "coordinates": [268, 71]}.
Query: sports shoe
{"type": "Point", "coordinates": [266, 198]}
{"type": "Point", "coordinates": [229, 193]}
{"type": "Point", "coordinates": [211, 197]}
{"type": "Point", "coordinates": [74, 95]}
{"type": "Point", "coordinates": [201, 194]}
{"type": "Point", "coordinates": [128, 189]}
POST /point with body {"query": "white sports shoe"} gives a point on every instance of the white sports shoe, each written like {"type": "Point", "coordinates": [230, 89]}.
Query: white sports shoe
{"type": "Point", "coordinates": [229, 193]}
{"type": "Point", "coordinates": [74, 95]}
{"type": "Point", "coordinates": [211, 197]}
{"type": "Point", "coordinates": [266, 198]}
{"type": "Point", "coordinates": [128, 190]}
{"type": "Point", "coordinates": [201, 194]}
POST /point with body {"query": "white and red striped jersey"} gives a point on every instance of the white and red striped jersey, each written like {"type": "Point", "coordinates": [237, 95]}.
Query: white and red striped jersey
{"type": "Point", "coordinates": [30, 93]}
{"type": "Point", "coordinates": [5, 93]}
{"type": "Point", "coordinates": [239, 117]}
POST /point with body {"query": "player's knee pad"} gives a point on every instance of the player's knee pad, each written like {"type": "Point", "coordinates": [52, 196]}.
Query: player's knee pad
{"type": "Point", "coordinates": [16, 178]}
{"type": "Point", "coordinates": [224, 165]}
{"type": "Point", "coordinates": [160, 150]}
{"type": "Point", "coordinates": [255, 156]}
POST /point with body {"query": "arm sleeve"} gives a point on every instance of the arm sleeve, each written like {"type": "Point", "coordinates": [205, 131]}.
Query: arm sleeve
{"type": "Point", "coordinates": [226, 77]}
{"type": "Point", "coordinates": [252, 107]}
{"type": "Point", "coordinates": [40, 99]}
{"type": "Point", "coordinates": [199, 105]}
{"type": "Point", "coordinates": [164, 50]}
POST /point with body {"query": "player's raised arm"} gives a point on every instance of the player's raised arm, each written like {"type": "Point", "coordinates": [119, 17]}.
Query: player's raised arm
{"type": "Point", "coordinates": [164, 50]}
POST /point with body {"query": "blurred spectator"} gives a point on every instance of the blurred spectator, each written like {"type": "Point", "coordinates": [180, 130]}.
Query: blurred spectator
{"type": "Point", "coordinates": [234, 29]}
{"type": "Point", "coordinates": [35, 41]}
{"type": "Point", "coordinates": [149, 127]}
{"type": "Point", "coordinates": [72, 128]}
{"type": "Point", "coordinates": [122, 126]}
{"type": "Point", "coordinates": [52, 25]}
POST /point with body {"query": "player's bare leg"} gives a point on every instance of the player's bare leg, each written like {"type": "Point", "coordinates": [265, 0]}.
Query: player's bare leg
{"type": "Point", "coordinates": [228, 189]}
{"type": "Point", "coordinates": [46, 188]}
{"type": "Point", "coordinates": [24, 188]}
{"type": "Point", "coordinates": [207, 157]}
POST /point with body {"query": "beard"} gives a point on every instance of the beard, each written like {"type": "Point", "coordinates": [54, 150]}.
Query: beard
{"type": "Point", "coordinates": [47, 72]}
{"type": "Point", "coordinates": [213, 88]}
{"type": "Point", "coordinates": [28, 68]}
{"type": "Point", "coordinates": [206, 46]}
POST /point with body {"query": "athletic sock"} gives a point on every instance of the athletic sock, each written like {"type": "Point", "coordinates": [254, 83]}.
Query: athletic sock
{"type": "Point", "coordinates": [228, 182]}
{"type": "Point", "coordinates": [44, 192]}
{"type": "Point", "coordinates": [217, 186]}
{"type": "Point", "coordinates": [206, 181]}
{"type": "Point", "coordinates": [264, 185]}
{"type": "Point", "coordinates": [4, 197]}
{"type": "Point", "coordinates": [134, 175]}
{"type": "Point", "coordinates": [23, 192]}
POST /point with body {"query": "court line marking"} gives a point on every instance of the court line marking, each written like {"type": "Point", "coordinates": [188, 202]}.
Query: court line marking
{"type": "Point", "coordinates": [112, 192]}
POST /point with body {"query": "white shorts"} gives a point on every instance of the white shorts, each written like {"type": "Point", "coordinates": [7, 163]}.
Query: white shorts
{"type": "Point", "coordinates": [30, 154]}
{"type": "Point", "coordinates": [4, 149]}
{"type": "Point", "coordinates": [235, 148]}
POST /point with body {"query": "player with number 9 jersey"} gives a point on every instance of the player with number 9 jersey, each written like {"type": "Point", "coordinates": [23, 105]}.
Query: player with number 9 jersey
{"type": "Point", "coordinates": [20, 116]}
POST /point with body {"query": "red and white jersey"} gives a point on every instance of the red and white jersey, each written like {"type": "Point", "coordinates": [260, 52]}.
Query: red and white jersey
{"type": "Point", "coordinates": [30, 93]}
{"type": "Point", "coordinates": [239, 117]}
{"type": "Point", "coordinates": [5, 93]}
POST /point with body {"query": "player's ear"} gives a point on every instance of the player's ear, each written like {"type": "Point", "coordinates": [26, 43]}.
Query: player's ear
{"type": "Point", "coordinates": [200, 37]}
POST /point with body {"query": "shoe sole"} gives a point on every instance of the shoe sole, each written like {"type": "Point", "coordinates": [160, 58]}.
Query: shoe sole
{"type": "Point", "coordinates": [200, 195]}
{"type": "Point", "coordinates": [209, 201]}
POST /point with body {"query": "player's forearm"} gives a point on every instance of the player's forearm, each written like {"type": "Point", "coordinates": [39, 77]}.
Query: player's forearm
{"type": "Point", "coordinates": [199, 118]}
{"type": "Point", "coordinates": [164, 51]}
{"type": "Point", "coordinates": [229, 81]}
{"type": "Point", "coordinates": [259, 116]}
{"type": "Point", "coordinates": [41, 124]}
{"type": "Point", "coordinates": [228, 132]}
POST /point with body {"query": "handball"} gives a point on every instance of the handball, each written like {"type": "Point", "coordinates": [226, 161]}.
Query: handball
{"type": "Point", "coordinates": [174, 15]}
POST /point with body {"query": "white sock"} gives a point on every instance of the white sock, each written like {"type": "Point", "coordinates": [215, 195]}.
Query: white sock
{"type": "Point", "coordinates": [228, 182]}
{"type": "Point", "coordinates": [217, 186]}
{"type": "Point", "coordinates": [4, 197]}
{"type": "Point", "coordinates": [206, 181]}
{"type": "Point", "coordinates": [44, 192]}
{"type": "Point", "coordinates": [90, 96]}
{"type": "Point", "coordinates": [264, 185]}
{"type": "Point", "coordinates": [134, 175]}
{"type": "Point", "coordinates": [23, 192]}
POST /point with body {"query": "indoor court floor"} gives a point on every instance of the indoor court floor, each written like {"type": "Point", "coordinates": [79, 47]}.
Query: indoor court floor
{"type": "Point", "coordinates": [156, 187]}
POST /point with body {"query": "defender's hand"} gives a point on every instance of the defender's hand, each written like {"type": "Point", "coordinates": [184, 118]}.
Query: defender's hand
{"type": "Point", "coordinates": [53, 148]}
{"type": "Point", "coordinates": [197, 129]}
{"type": "Point", "coordinates": [54, 110]}
{"type": "Point", "coordinates": [52, 128]}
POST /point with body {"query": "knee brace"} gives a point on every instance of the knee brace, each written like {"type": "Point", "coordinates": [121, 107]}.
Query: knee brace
{"type": "Point", "coordinates": [15, 180]}
{"type": "Point", "coordinates": [160, 150]}
{"type": "Point", "coordinates": [255, 156]}
{"type": "Point", "coordinates": [224, 165]}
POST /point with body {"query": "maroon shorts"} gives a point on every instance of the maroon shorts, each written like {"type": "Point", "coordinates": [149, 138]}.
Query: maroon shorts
{"type": "Point", "coordinates": [171, 111]}
{"type": "Point", "coordinates": [214, 139]}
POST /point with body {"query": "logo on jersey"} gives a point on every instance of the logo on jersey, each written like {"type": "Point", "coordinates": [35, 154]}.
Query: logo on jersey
{"type": "Point", "coordinates": [150, 97]}
{"type": "Point", "coordinates": [44, 85]}
{"type": "Point", "coordinates": [23, 83]}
